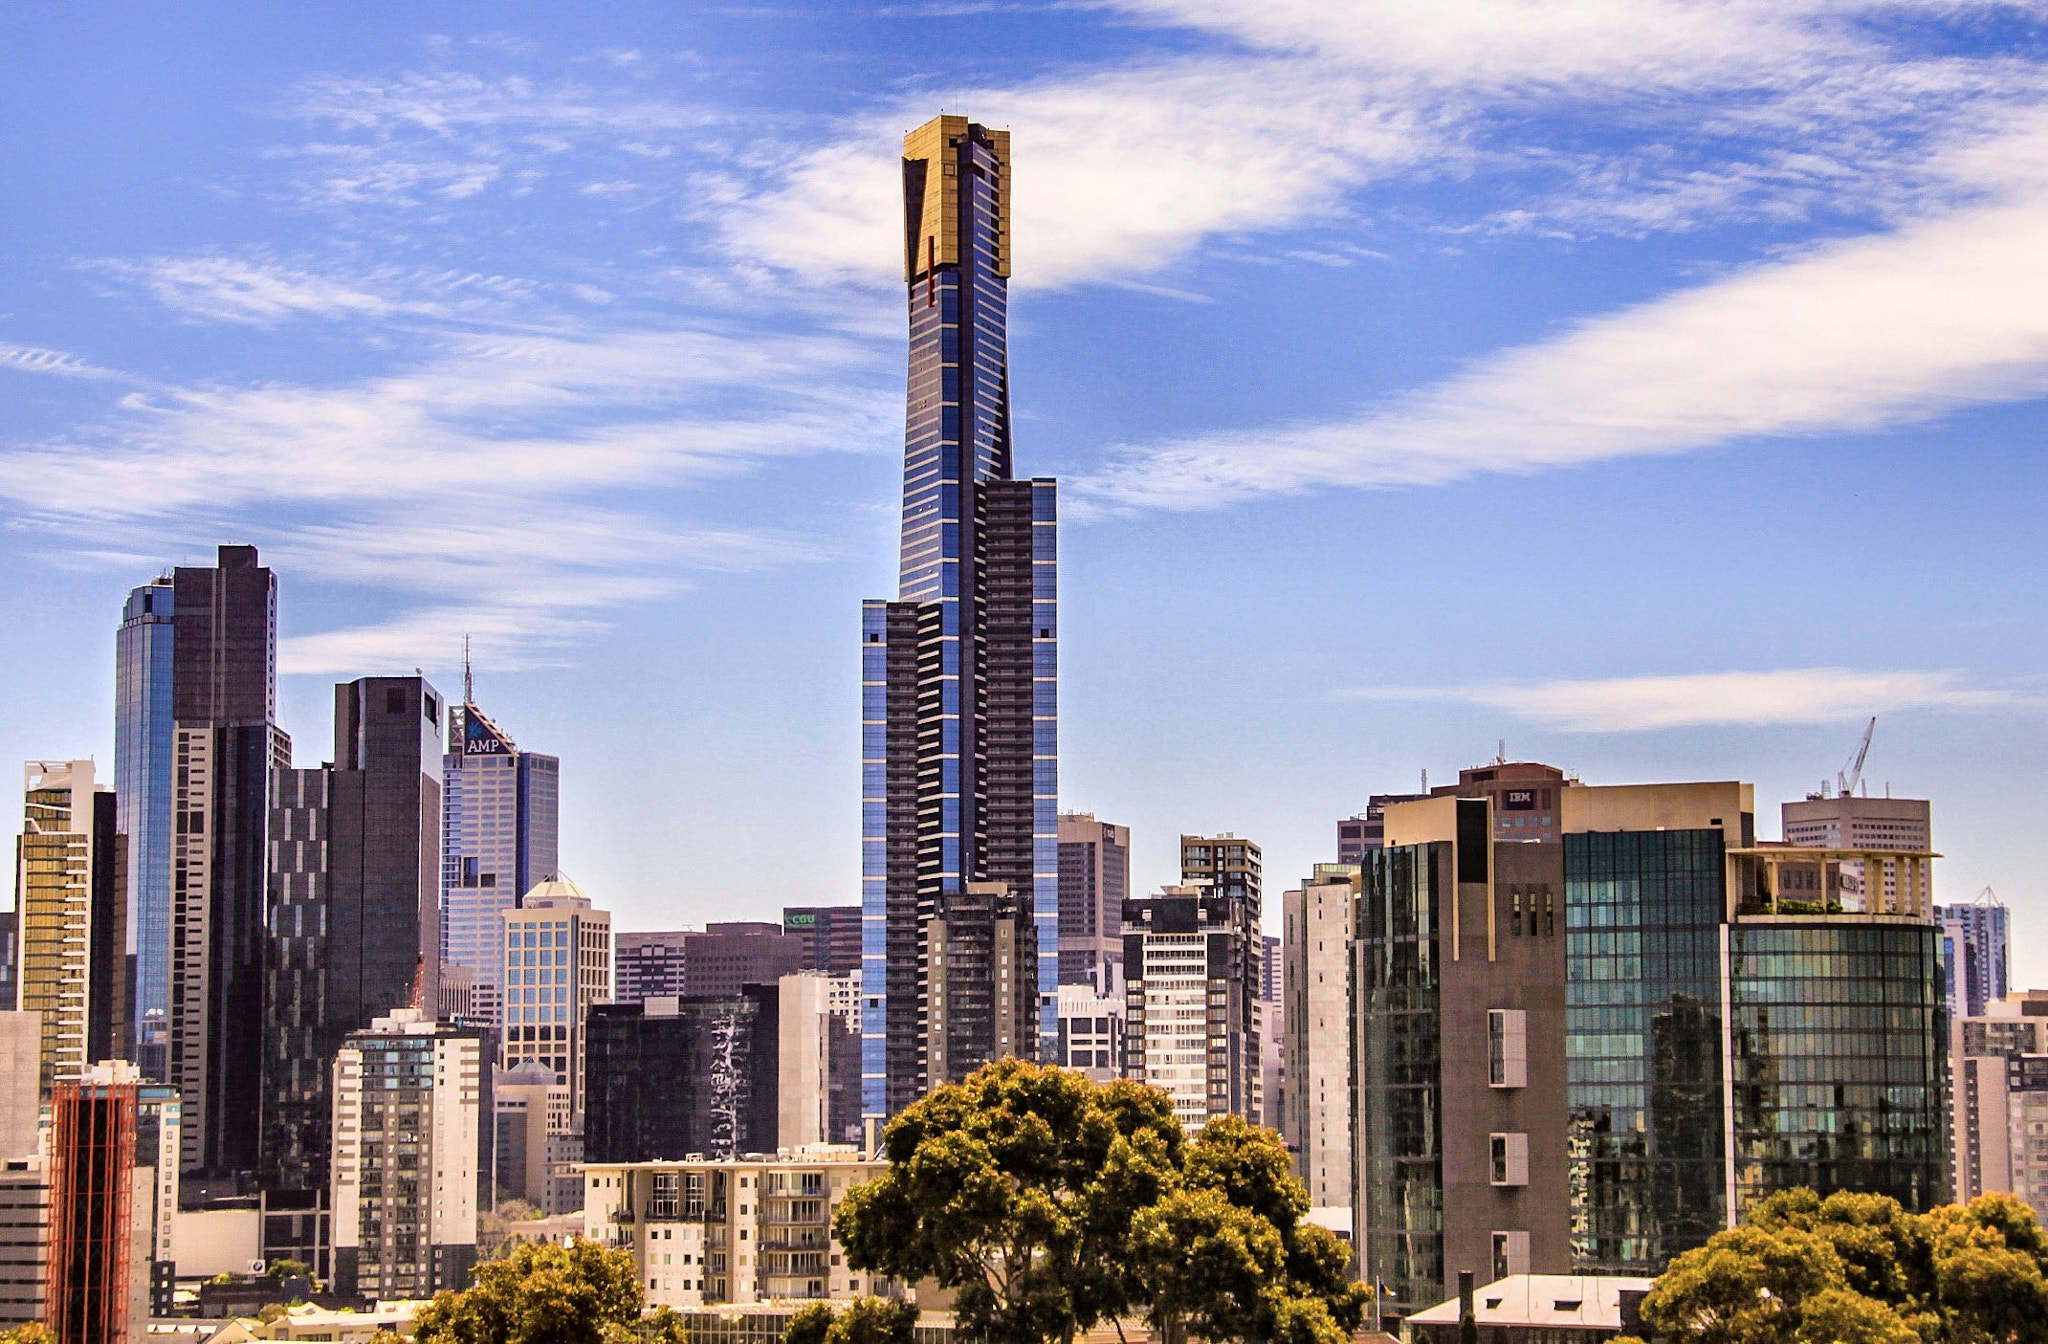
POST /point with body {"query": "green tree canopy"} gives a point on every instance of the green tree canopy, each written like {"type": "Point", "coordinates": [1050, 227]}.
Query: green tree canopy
{"type": "Point", "coordinates": [582, 1293]}
{"type": "Point", "coordinates": [1048, 1204]}
{"type": "Point", "coordinates": [1858, 1269]}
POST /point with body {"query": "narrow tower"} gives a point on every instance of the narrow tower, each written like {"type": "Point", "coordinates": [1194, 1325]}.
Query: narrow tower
{"type": "Point", "coordinates": [960, 737]}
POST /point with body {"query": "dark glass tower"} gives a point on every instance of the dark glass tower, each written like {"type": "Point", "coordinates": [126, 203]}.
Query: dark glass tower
{"type": "Point", "coordinates": [960, 738]}
{"type": "Point", "coordinates": [144, 742]}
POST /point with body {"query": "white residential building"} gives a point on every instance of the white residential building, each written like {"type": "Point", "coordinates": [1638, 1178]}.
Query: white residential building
{"type": "Point", "coordinates": [1316, 956]}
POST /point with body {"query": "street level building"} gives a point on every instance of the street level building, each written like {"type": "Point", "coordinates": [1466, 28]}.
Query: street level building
{"type": "Point", "coordinates": [1095, 877]}
{"type": "Point", "coordinates": [1190, 1001]}
{"type": "Point", "coordinates": [500, 838]}
{"type": "Point", "coordinates": [1316, 959]}
{"type": "Point", "coordinates": [557, 962]}
{"type": "Point", "coordinates": [71, 893]}
{"type": "Point", "coordinates": [411, 1156]}
{"type": "Point", "coordinates": [959, 774]}
{"type": "Point", "coordinates": [704, 1232]}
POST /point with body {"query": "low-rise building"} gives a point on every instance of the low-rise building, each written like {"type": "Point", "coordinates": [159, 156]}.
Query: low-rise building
{"type": "Point", "coordinates": [707, 1232]}
{"type": "Point", "coordinates": [1538, 1309]}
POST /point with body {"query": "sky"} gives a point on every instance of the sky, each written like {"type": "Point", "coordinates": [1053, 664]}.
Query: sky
{"type": "Point", "coordinates": [1654, 389]}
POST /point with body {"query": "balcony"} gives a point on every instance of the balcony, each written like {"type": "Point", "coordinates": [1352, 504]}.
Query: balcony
{"type": "Point", "coordinates": [623, 1216]}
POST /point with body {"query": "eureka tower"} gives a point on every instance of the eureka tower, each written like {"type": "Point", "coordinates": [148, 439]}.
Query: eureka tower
{"type": "Point", "coordinates": [960, 842]}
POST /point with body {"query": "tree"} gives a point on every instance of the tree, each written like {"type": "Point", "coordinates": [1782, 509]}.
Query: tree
{"type": "Point", "coordinates": [810, 1324]}
{"type": "Point", "coordinates": [545, 1294]}
{"type": "Point", "coordinates": [33, 1332]}
{"type": "Point", "coordinates": [1049, 1204]}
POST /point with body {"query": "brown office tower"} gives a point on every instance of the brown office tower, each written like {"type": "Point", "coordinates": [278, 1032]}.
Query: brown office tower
{"type": "Point", "coordinates": [833, 932]}
{"type": "Point", "coordinates": [225, 743]}
{"type": "Point", "coordinates": [99, 1238]}
{"type": "Point", "coordinates": [1095, 877]}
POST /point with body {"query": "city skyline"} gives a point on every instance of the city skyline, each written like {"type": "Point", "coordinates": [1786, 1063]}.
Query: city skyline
{"type": "Point", "coordinates": [1777, 547]}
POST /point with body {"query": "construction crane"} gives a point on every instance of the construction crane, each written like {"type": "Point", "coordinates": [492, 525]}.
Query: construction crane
{"type": "Point", "coordinates": [1852, 774]}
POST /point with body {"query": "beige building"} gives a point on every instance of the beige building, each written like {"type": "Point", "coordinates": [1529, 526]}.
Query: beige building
{"type": "Point", "coordinates": [558, 961]}
{"type": "Point", "coordinates": [1316, 961]}
{"type": "Point", "coordinates": [71, 895]}
{"type": "Point", "coordinates": [707, 1232]}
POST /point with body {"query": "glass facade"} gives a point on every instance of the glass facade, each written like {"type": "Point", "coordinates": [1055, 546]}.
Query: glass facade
{"type": "Point", "coordinates": [959, 717]}
{"type": "Point", "coordinates": [1643, 916]}
{"type": "Point", "coordinates": [1399, 1122]}
{"type": "Point", "coordinates": [143, 748]}
{"type": "Point", "coordinates": [1840, 1061]}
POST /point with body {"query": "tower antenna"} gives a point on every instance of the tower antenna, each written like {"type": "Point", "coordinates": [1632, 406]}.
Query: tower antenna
{"type": "Point", "coordinates": [468, 687]}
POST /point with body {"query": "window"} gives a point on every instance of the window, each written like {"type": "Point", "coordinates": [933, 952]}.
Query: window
{"type": "Point", "coordinates": [1510, 1154]}
{"type": "Point", "coordinates": [1507, 1047]}
{"type": "Point", "coordinates": [1510, 1254]}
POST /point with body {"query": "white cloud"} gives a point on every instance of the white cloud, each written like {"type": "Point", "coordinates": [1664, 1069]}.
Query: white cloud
{"type": "Point", "coordinates": [1856, 335]}
{"type": "Point", "coordinates": [36, 359]}
{"type": "Point", "coordinates": [233, 289]}
{"type": "Point", "coordinates": [1706, 699]}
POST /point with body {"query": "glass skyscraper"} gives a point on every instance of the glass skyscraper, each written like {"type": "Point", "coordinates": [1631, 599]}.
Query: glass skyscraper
{"type": "Point", "coordinates": [500, 838]}
{"type": "Point", "coordinates": [960, 738]}
{"type": "Point", "coordinates": [144, 744]}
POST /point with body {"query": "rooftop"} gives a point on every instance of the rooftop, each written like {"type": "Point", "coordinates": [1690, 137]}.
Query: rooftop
{"type": "Point", "coordinates": [1557, 1301]}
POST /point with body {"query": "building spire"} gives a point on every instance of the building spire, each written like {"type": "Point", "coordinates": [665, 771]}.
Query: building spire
{"type": "Point", "coordinates": [468, 685]}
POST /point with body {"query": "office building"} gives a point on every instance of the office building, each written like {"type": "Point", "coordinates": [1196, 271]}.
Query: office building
{"type": "Point", "coordinates": [1988, 1092]}
{"type": "Point", "coordinates": [225, 744]}
{"type": "Point", "coordinates": [1974, 954]}
{"type": "Point", "coordinates": [71, 894]}
{"type": "Point", "coordinates": [1095, 878]}
{"type": "Point", "coordinates": [532, 1117]}
{"type": "Point", "coordinates": [10, 959]}
{"type": "Point", "coordinates": [24, 1238]}
{"type": "Point", "coordinates": [1367, 830]}
{"type": "Point", "coordinates": [1190, 1001]}
{"type": "Point", "coordinates": [500, 838]}
{"type": "Point", "coordinates": [411, 1155]}
{"type": "Point", "coordinates": [713, 961]}
{"type": "Point", "coordinates": [1091, 1036]}
{"type": "Point", "coordinates": [21, 1054]}
{"type": "Point", "coordinates": [710, 1232]}
{"type": "Point", "coordinates": [112, 1191]}
{"type": "Point", "coordinates": [1687, 959]}
{"type": "Point", "coordinates": [842, 1006]}
{"type": "Point", "coordinates": [1315, 1110]}
{"type": "Point", "coordinates": [668, 1077]}
{"type": "Point", "coordinates": [558, 961]}
{"type": "Point", "coordinates": [1846, 821]}
{"type": "Point", "coordinates": [960, 755]}
{"type": "Point", "coordinates": [145, 744]}
{"type": "Point", "coordinates": [355, 908]}
{"type": "Point", "coordinates": [833, 932]}
{"type": "Point", "coordinates": [1272, 1028]}
{"type": "Point", "coordinates": [980, 987]}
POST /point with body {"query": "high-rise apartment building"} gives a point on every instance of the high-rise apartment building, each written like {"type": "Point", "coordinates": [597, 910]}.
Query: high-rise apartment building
{"type": "Point", "coordinates": [960, 730]}
{"type": "Point", "coordinates": [1316, 989]}
{"type": "Point", "coordinates": [1191, 1001]}
{"type": "Point", "coordinates": [1996, 1097]}
{"type": "Point", "coordinates": [1694, 1019]}
{"type": "Point", "coordinates": [71, 894]}
{"type": "Point", "coordinates": [1095, 877]}
{"type": "Point", "coordinates": [500, 837]}
{"type": "Point", "coordinates": [1091, 1039]}
{"type": "Point", "coordinates": [412, 1100]}
{"type": "Point", "coordinates": [1974, 954]}
{"type": "Point", "coordinates": [1368, 829]}
{"type": "Point", "coordinates": [355, 908]}
{"type": "Point", "coordinates": [833, 932]}
{"type": "Point", "coordinates": [225, 744]}
{"type": "Point", "coordinates": [145, 744]}
{"type": "Point", "coordinates": [1227, 864]}
{"type": "Point", "coordinates": [558, 961]}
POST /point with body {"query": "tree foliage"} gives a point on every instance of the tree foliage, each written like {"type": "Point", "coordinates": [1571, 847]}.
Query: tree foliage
{"type": "Point", "coordinates": [866, 1320]}
{"type": "Point", "coordinates": [582, 1293]}
{"type": "Point", "coordinates": [33, 1332]}
{"type": "Point", "coordinates": [1858, 1269]}
{"type": "Point", "coordinates": [1048, 1204]}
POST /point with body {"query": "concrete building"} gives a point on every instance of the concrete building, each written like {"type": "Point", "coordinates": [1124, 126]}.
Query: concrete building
{"type": "Point", "coordinates": [24, 1238]}
{"type": "Point", "coordinates": [10, 959]}
{"type": "Point", "coordinates": [707, 1232]}
{"type": "Point", "coordinates": [1226, 864]}
{"type": "Point", "coordinates": [1987, 1094]}
{"type": "Point", "coordinates": [557, 962]}
{"type": "Point", "coordinates": [411, 1155]}
{"type": "Point", "coordinates": [1095, 878]}
{"type": "Point", "coordinates": [834, 934]}
{"type": "Point", "coordinates": [709, 962]}
{"type": "Point", "coordinates": [1538, 1309]}
{"type": "Point", "coordinates": [1845, 821]}
{"type": "Point", "coordinates": [530, 1109]}
{"type": "Point", "coordinates": [1717, 1001]}
{"type": "Point", "coordinates": [1316, 958]}
{"type": "Point", "coordinates": [1974, 954]}
{"type": "Point", "coordinates": [354, 921]}
{"type": "Point", "coordinates": [71, 892]}
{"type": "Point", "coordinates": [500, 838]}
{"type": "Point", "coordinates": [648, 965]}
{"type": "Point", "coordinates": [723, 1075]}
{"type": "Point", "coordinates": [1091, 1036]}
{"type": "Point", "coordinates": [960, 720]}
{"type": "Point", "coordinates": [980, 995]}
{"type": "Point", "coordinates": [1191, 1000]}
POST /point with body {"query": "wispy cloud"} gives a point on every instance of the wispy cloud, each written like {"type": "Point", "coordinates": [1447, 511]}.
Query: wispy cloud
{"type": "Point", "coordinates": [35, 359]}
{"type": "Point", "coordinates": [1708, 699]}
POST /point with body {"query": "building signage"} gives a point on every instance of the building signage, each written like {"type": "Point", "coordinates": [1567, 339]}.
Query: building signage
{"type": "Point", "coordinates": [1518, 800]}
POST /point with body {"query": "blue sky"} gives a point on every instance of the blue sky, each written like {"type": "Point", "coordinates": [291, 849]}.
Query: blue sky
{"type": "Point", "coordinates": [1655, 386]}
